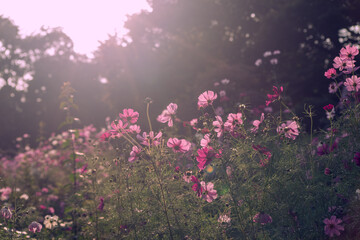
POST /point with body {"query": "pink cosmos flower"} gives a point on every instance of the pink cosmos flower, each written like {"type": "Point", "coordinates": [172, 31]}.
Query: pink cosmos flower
{"type": "Point", "coordinates": [332, 226]}
{"type": "Point", "coordinates": [275, 96]}
{"type": "Point", "coordinates": [224, 219]}
{"type": "Point", "coordinates": [209, 193]}
{"type": "Point", "coordinates": [206, 98]}
{"type": "Point", "coordinates": [257, 123]}
{"type": "Point", "coordinates": [265, 154]}
{"type": "Point", "coordinates": [349, 52]}
{"type": "Point", "coordinates": [225, 81]}
{"type": "Point", "coordinates": [5, 193]}
{"type": "Point", "coordinates": [357, 158]}
{"type": "Point", "coordinates": [134, 154]}
{"type": "Point", "coordinates": [6, 213]}
{"type": "Point", "coordinates": [101, 204]}
{"type": "Point", "coordinates": [129, 115]}
{"type": "Point", "coordinates": [150, 139]}
{"type": "Point", "coordinates": [290, 129]}
{"type": "Point", "coordinates": [105, 136]}
{"type": "Point", "coordinates": [328, 107]}
{"type": "Point", "coordinates": [205, 156]}
{"type": "Point", "coordinates": [205, 141]}
{"type": "Point", "coordinates": [333, 87]}
{"type": "Point", "coordinates": [179, 145]}
{"type": "Point", "coordinates": [233, 121]}
{"type": "Point", "coordinates": [352, 84]}
{"type": "Point", "coordinates": [331, 73]}
{"type": "Point", "coordinates": [118, 125]}
{"type": "Point", "coordinates": [262, 218]}
{"type": "Point", "coordinates": [167, 115]}
{"type": "Point", "coordinates": [219, 126]}
{"type": "Point", "coordinates": [197, 186]}
{"type": "Point", "coordinates": [35, 227]}
{"type": "Point", "coordinates": [134, 129]}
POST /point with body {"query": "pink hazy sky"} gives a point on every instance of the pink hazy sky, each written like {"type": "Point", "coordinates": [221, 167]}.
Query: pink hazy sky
{"type": "Point", "coordinates": [86, 21]}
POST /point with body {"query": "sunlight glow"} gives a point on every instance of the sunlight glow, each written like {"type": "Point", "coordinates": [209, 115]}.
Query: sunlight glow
{"type": "Point", "coordinates": [86, 21]}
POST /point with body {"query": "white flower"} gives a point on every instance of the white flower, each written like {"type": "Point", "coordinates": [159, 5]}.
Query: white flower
{"type": "Point", "coordinates": [24, 196]}
{"type": "Point", "coordinates": [51, 222]}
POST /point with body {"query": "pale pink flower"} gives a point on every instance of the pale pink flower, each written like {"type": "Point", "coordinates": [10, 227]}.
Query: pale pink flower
{"type": "Point", "coordinates": [205, 141]}
{"type": "Point", "coordinates": [129, 115]}
{"type": "Point", "coordinates": [331, 73]}
{"type": "Point", "coordinates": [333, 87]}
{"type": "Point", "coordinates": [352, 84]}
{"type": "Point", "coordinates": [224, 219]}
{"type": "Point", "coordinates": [150, 139]}
{"type": "Point", "coordinates": [206, 98]}
{"type": "Point", "coordinates": [257, 123]}
{"type": "Point", "coordinates": [5, 193]}
{"type": "Point", "coordinates": [219, 126]}
{"type": "Point", "coordinates": [233, 120]}
{"type": "Point", "coordinates": [290, 129]}
{"type": "Point", "coordinates": [118, 125]}
{"type": "Point", "coordinates": [332, 226]}
{"type": "Point", "coordinates": [134, 129]}
{"type": "Point", "coordinates": [193, 122]}
{"type": "Point", "coordinates": [179, 145]}
{"type": "Point", "coordinates": [134, 154]}
{"type": "Point", "coordinates": [349, 52]}
{"type": "Point", "coordinates": [209, 193]}
{"type": "Point", "coordinates": [167, 114]}
{"type": "Point", "coordinates": [258, 62]}
{"type": "Point", "coordinates": [225, 81]}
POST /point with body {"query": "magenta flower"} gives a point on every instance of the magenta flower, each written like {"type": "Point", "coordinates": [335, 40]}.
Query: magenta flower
{"type": "Point", "coordinates": [197, 186]}
{"type": "Point", "coordinates": [332, 226]}
{"type": "Point", "coordinates": [129, 115]}
{"type": "Point", "coordinates": [179, 145]}
{"type": "Point", "coordinates": [209, 193]}
{"type": "Point", "coordinates": [327, 171]}
{"type": "Point", "coordinates": [105, 136]}
{"type": "Point", "coordinates": [275, 96]}
{"type": "Point", "coordinates": [257, 123]}
{"type": "Point", "coordinates": [357, 158]}
{"type": "Point", "coordinates": [205, 156]}
{"type": "Point", "coordinates": [331, 73]}
{"type": "Point", "coordinates": [262, 218]}
{"type": "Point", "coordinates": [219, 126]}
{"type": "Point", "coordinates": [328, 107]}
{"type": "Point", "coordinates": [352, 84]}
{"type": "Point", "coordinates": [349, 52]}
{"type": "Point", "coordinates": [134, 154]}
{"type": "Point", "coordinates": [265, 154]}
{"type": "Point", "coordinates": [150, 139]}
{"type": "Point", "coordinates": [290, 129]}
{"type": "Point", "coordinates": [167, 115]}
{"type": "Point", "coordinates": [206, 98]}
{"type": "Point", "coordinates": [101, 204]}
{"type": "Point", "coordinates": [35, 227]}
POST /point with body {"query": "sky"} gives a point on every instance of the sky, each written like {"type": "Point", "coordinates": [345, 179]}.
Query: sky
{"type": "Point", "coordinates": [86, 22]}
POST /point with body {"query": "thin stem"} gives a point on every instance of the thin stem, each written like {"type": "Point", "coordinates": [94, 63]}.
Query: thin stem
{"type": "Point", "coordinates": [148, 116]}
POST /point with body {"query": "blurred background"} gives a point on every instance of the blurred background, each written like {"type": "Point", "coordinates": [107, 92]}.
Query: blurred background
{"type": "Point", "coordinates": [168, 50]}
